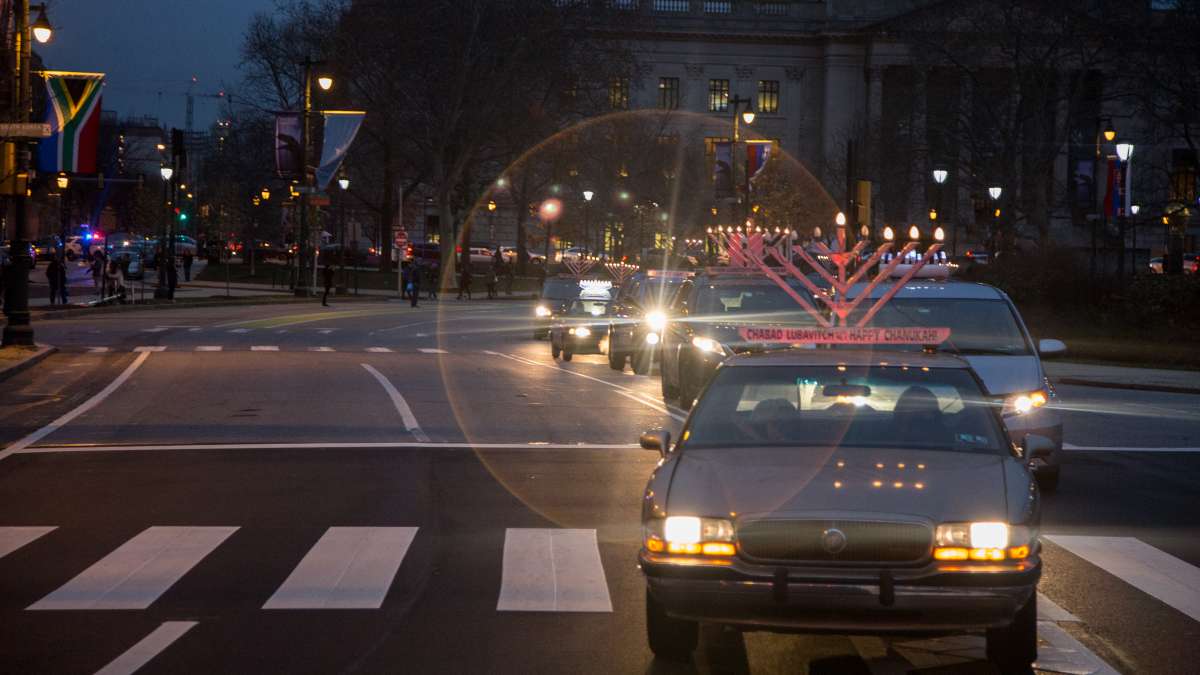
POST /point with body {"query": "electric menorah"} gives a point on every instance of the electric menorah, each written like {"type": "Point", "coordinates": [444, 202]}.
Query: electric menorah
{"type": "Point", "coordinates": [621, 271]}
{"type": "Point", "coordinates": [773, 253]}
{"type": "Point", "coordinates": [580, 266]}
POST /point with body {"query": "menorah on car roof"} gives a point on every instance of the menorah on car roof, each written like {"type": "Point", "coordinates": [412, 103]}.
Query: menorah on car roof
{"type": "Point", "coordinates": [773, 253]}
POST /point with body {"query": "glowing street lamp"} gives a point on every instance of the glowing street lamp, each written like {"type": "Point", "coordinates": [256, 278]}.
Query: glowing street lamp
{"type": "Point", "coordinates": [344, 183]}
{"type": "Point", "coordinates": [940, 175]}
{"type": "Point", "coordinates": [995, 192]}
{"type": "Point", "coordinates": [325, 82]}
{"type": "Point", "coordinates": [166, 172]}
{"type": "Point", "coordinates": [63, 181]}
{"type": "Point", "coordinates": [41, 28]}
{"type": "Point", "coordinates": [266, 194]}
{"type": "Point", "coordinates": [1124, 151]}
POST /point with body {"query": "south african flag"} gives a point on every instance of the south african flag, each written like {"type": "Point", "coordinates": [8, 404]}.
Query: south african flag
{"type": "Point", "coordinates": [73, 112]}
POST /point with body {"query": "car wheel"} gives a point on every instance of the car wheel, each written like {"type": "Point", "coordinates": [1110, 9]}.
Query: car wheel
{"type": "Point", "coordinates": [1014, 648]}
{"type": "Point", "coordinates": [567, 354]}
{"type": "Point", "coordinates": [641, 361]}
{"type": "Point", "coordinates": [616, 360]}
{"type": "Point", "coordinates": [1047, 479]}
{"type": "Point", "coordinates": [554, 350]}
{"type": "Point", "coordinates": [670, 639]}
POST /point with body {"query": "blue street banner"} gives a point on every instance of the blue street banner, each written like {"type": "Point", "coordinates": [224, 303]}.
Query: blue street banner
{"type": "Point", "coordinates": [287, 144]}
{"type": "Point", "coordinates": [341, 126]}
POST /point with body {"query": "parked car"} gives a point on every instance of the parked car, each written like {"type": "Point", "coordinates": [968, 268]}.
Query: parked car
{"type": "Point", "coordinates": [509, 253]}
{"type": "Point", "coordinates": [131, 261]}
{"type": "Point", "coordinates": [1191, 264]}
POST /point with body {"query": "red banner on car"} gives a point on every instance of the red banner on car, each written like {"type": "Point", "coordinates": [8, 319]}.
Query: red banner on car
{"type": "Point", "coordinates": [847, 335]}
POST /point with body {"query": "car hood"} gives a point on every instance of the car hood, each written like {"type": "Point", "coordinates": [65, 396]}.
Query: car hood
{"type": "Point", "coordinates": [1007, 374]}
{"type": "Point", "coordinates": [800, 482]}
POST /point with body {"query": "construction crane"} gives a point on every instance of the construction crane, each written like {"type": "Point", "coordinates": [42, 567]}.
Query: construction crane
{"type": "Point", "coordinates": [189, 120]}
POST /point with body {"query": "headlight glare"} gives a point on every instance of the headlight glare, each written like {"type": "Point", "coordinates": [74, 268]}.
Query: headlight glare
{"type": "Point", "coordinates": [542, 311]}
{"type": "Point", "coordinates": [581, 331]}
{"type": "Point", "coordinates": [989, 535]}
{"type": "Point", "coordinates": [656, 321]}
{"type": "Point", "coordinates": [682, 529]}
{"type": "Point", "coordinates": [708, 345]}
{"type": "Point", "coordinates": [651, 338]}
{"type": "Point", "coordinates": [1020, 404]}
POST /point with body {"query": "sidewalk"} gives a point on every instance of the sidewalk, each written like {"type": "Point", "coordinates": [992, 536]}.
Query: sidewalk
{"type": "Point", "coordinates": [1122, 377]}
{"type": "Point", "coordinates": [14, 360]}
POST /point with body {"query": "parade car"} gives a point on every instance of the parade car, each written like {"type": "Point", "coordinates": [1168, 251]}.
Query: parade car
{"type": "Point", "coordinates": [704, 322]}
{"type": "Point", "coordinates": [987, 332]}
{"type": "Point", "coordinates": [639, 317]}
{"type": "Point", "coordinates": [583, 328]}
{"type": "Point", "coordinates": [556, 296]}
{"type": "Point", "coordinates": [848, 492]}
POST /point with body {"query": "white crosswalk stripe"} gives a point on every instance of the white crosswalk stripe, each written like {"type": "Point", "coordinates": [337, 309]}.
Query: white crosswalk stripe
{"type": "Point", "coordinates": [156, 329]}
{"type": "Point", "coordinates": [348, 568]}
{"type": "Point", "coordinates": [150, 348]}
{"type": "Point", "coordinates": [321, 349]}
{"type": "Point", "coordinates": [97, 350]}
{"type": "Point", "coordinates": [13, 538]}
{"type": "Point", "coordinates": [139, 571]}
{"type": "Point", "coordinates": [379, 350]}
{"type": "Point", "coordinates": [552, 570]}
{"type": "Point", "coordinates": [147, 648]}
{"type": "Point", "coordinates": [1142, 566]}
{"type": "Point", "coordinates": [264, 348]}
{"type": "Point", "coordinates": [209, 348]}
{"type": "Point", "coordinates": [424, 350]}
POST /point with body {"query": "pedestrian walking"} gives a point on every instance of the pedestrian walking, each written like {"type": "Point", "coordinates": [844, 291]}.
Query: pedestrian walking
{"type": "Point", "coordinates": [62, 280]}
{"type": "Point", "coordinates": [406, 274]}
{"type": "Point", "coordinates": [98, 274]}
{"type": "Point", "coordinates": [187, 266]}
{"type": "Point", "coordinates": [53, 270]}
{"type": "Point", "coordinates": [414, 285]}
{"type": "Point", "coordinates": [327, 277]}
{"type": "Point", "coordinates": [115, 281]}
{"type": "Point", "coordinates": [431, 281]}
{"type": "Point", "coordinates": [464, 282]}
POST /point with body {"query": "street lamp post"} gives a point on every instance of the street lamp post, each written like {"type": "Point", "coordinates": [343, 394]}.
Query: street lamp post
{"type": "Point", "coordinates": [939, 178]}
{"type": "Point", "coordinates": [587, 226]}
{"type": "Point", "coordinates": [1104, 133]}
{"type": "Point", "coordinates": [325, 83]}
{"type": "Point", "coordinates": [995, 192]}
{"type": "Point", "coordinates": [344, 184]}
{"type": "Point", "coordinates": [1133, 211]}
{"type": "Point", "coordinates": [18, 330]}
{"type": "Point", "coordinates": [741, 115]}
{"type": "Point", "coordinates": [160, 253]}
{"type": "Point", "coordinates": [1124, 155]}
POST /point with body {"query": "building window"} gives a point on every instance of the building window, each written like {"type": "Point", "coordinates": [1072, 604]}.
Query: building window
{"type": "Point", "coordinates": [671, 5]}
{"type": "Point", "coordinates": [623, 4]}
{"type": "Point", "coordinates": [718, 95]}
{"type": "Point", "coordinates": [768, 96]}
{"type": "Point", "coordinates": [771, 8]}
{"type": "Point", "coordinates": [668, 93]}
{"type": "Point", "coordinates": [710, 144]}
{"type": "Point", "coordinates": [718, 7]}
{"type": "Point", "coordinates": [618, 93]}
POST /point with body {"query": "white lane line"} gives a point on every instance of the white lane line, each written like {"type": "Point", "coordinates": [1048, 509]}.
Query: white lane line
{"type": "Point", "coordinates": [139, 571]}
{"type": "Point", "coordinates": [1048, 610]}
{"type": "Point", "coordinates": [1066, 654]}
{"type": "Point", "coordinates": [1171, 580]}
{"type": "Point", "coordinates": [208, 348]}
{"type": "Point", "coordinates": [410, 421]}
{"type": "Point", "coordinates": [379, 350]}
{"type": "Point", "coordinates": [281, 331]}
{"type": "Point", "coordinates": [13, 538]}
{"type": "Point", "coordinates": [348, 568]}
{"type": "Point", "coordinates": [326, 331]}
{"type": "Point", "coordinates": [195, 330]}
{"type": "Point", "coordinates": [425, 350]}
{"type": "Point", "coordinates": [320, 349]}
{"type": "Point", "coordinates": [623, 391]}
{"type": "Point", "coordinates": [51, 449]}
{"type": "Point", "coordinates": [147, 648]}
{"type": "Point", "coordinates": [552, 570]}
{"type": "Point", "coordinates": [98, 350]}
{"type": "Point", "coordinates": [83, 407]}
{"type": "Point", "coordinates": [151, 348]}
{"type": "Point", "coordinates": [264, 348]}
{"type": "Point", "coordinates": [241, 330]}
{"type": "Point", "coordinates": [492, 353]}
{"type": "Point", "coordinates": [156, 329]}
{"type": "Point", "coordinates": [1116, 448]}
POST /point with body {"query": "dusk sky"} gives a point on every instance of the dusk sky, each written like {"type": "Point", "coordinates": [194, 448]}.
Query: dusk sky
{"type": "Point", "coordinates": [150, 49]}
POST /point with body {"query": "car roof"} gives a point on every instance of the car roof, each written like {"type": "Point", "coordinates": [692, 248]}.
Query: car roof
{"type": "Point", "coordinates": [935, 289]}
{"type": "Point", "coordinates": [847, 357]}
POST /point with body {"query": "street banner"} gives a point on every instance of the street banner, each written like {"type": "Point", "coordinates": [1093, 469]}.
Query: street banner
{"type": "Point", "coordinates": [757, 155]}
{"type": "Point", "coordinates": [287, 145]}
{"type": "Point", "coordinates": [723, 171]}
{"type": "Point", "coordinates": [846, 335]}
{"type": "Point", "coordinates": [341, 126]}
{"type": "Point", "coordinates": [73, 113]}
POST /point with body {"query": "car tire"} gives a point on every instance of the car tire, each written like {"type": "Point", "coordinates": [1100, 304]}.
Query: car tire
{"type": "Point", "coordinates": [1047, 479]}
{"type": "Point", "coordinates": [1013, 648]}
{"type": "Point", "coordinates": [567, 354]}
{"type": "Point", "coordinates": [554, 350]}
{"type": "Point", "coordinates": [616, 360]}
{"type": "Point", "coordinates": [641, 362]}
{"type": "Point", "coordinates": [671, 639]}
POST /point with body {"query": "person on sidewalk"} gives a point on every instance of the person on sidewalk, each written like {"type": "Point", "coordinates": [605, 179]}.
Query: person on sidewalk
{"type": "Point", "coordinates": [327, 279]}
{"type": "Point", "coordinates": [431, 281]}
{"type": "Point", "coordinates": [115, 281]}
{"type": "Point", "coordinates": [464, 282]}
{"type": "Point", "coordinates": [53, 273]}
{"type": "Point", "coordinates": [172, 280]}
{"type": "Point", "coordinates": [98, 274]}
{"type": "Point", "coordinates": [414, 285]}
{"type": "Point", "coordinates": [187, 266]}
{"type": "Point", "coordinates": [62, 280]}
{"type": "Point", "coordinates": [406, 283]}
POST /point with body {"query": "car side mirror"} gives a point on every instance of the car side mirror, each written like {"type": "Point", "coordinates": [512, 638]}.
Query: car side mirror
{"type": "Point", "coordinates": [1036, 447]}
{"type": "Point", "coordinates": [656, 439]}
{"type": "Point", "coordinates": [1051, 347]}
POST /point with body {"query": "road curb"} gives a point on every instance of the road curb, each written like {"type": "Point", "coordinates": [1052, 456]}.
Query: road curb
{"type": "Point", "coordinates": [32, 360]}
{"type": "Point", "coordinates": [114, 309]}
{"type": "Point", "coordinates": [1161, 388]}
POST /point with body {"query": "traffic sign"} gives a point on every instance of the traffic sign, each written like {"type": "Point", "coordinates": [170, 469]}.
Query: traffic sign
{"type": "Point", "coordinates": [23, 130]}
{"type": "Point", "coordinates": [401, 238]}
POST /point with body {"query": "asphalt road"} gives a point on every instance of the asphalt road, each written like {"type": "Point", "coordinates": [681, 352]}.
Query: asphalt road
{"type": "Point", "coordinates": [375, 488]}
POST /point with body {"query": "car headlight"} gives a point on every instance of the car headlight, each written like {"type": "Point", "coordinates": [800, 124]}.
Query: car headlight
{"type": "Point", "coordinates": [707, 345]}
{"type": "Point", "coordinates": [581, 331]}
{"type": "Point", "coordinates": [690, 535]}
{"type": "Point", "coordinates": [652, 338]}
{"type": "Point", "coordinates": [1020, 404]}
{"type": "Point", "coordinates": [541, 310]}
{"type": "Point", "coordinates": [985, 541]}
{"type": "Point", "coordinates": [657, 321]}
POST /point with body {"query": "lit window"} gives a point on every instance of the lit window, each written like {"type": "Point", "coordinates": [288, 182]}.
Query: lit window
{"type": "Point", "coordinates": [768, 96]}
{"type": "Point", "coordinates": [671, 5]}
{"type": "Point", "coordinates": [618, 93]}
{"type": "Point", "coordinates": [668, 93]}
{"type": "Point", "coordinates": [718, 7]}
{"type": "Point", "coordinates": [718, 95]}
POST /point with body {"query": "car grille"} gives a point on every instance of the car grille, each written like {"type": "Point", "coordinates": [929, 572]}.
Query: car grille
{"type": "Point", "coordinates": [865, 541]}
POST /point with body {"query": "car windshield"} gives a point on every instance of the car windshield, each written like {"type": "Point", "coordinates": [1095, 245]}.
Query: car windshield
{"type": "Point", "coordinates": [878, 407]}
{"type": "Point", "coordinates": [560, 289]}
{"type": "Point", "coordinates": [977, 326]}
{"type": "Point", "coordinates": [588, 307]}
{"type": "Point", "coordinates": [656, 292]}
{"type": "Point", "coordinates": [720, 299]}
